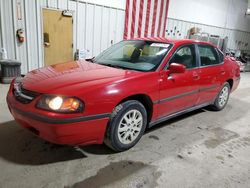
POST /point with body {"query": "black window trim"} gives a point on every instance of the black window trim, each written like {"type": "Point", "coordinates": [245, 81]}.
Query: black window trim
{"type": "Point", "coordinates": [220, 52]}
{"type": "Point", "coordinates": [196, 56]}
{"type": "Point", "coordinates": [199, 59]}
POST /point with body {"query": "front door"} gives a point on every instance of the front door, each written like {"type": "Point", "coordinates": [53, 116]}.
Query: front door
{"type": "Point", "coordinates": [58, 37]}
{"type": "Point", "coordinates": [180, 91]}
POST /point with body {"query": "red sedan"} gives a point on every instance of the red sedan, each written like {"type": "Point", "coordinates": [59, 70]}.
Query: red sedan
{"type": "Point", "coordinates": [114, 97]}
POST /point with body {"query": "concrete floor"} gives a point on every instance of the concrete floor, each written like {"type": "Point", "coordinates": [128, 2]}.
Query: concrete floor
{"type": "Point", "coordinates": [200, 149]}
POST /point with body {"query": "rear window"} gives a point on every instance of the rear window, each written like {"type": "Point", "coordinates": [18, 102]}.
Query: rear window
{"type": "Point", "coordinates": [208, 55]}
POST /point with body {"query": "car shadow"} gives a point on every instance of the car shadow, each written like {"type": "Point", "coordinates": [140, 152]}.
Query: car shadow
{"type": "Point", "coordinates": [20, 146]}
{"type": "Point", "coordinates": [104, 150]}
{"type": "Point", "coordinates": [174, 120]}
{"type": "Point", "coordinates": [234, 110]}
{"type": "Point", "coordinates": [98, 149]}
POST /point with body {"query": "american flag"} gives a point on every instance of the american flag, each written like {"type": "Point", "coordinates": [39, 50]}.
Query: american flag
{"type": "Point", "coordinates": [145, 18]}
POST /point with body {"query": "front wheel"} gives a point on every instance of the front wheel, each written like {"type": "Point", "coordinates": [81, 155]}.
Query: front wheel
{"type": "Point", "coordinates": [222, 98]}
{"type": "Point", "coordinates": [127, 125]}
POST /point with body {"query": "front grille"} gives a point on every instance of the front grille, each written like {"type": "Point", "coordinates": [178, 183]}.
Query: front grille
{"type": "Point", "coordinates": [22, 95]}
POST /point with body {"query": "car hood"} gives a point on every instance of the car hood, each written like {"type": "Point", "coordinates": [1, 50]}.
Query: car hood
{"type": "Point", "coordinates": [54, 77]}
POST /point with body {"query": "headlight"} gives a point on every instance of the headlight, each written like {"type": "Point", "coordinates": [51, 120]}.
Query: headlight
{"type": "Point", "coordinates": [55, 103]}
{"type": "Point", "coordinates": [60, 104]}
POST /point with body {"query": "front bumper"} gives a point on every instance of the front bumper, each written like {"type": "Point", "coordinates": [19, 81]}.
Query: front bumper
{"type": "Point", "coordinates": [83, 130]}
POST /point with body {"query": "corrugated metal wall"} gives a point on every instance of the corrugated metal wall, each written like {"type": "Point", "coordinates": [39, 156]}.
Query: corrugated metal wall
{"type": "Point", "coordinates": [95, 28]}
{"type": "Point", "coordinates": [237, 39]}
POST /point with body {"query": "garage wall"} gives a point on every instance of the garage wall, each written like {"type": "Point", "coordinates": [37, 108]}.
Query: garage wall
{"type": "Point", "coordinates": [1, 41]}
{"type": "Point", "coordinates": [96, 27]}
{"type": "Point", "coordinates": [110, 3]}
{"type": "Point", "coordinates": [237, 39]}
{"type": "Point", "coordinates": [228, 14]}
{"type": "Point", "coordinates": [224, 17]}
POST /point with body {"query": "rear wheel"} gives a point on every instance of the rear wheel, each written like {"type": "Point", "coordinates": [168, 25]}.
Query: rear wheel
{"type": "Point", "coordinates": [127, 125]}
{"type": "Point", "coordinates": [222, 98]}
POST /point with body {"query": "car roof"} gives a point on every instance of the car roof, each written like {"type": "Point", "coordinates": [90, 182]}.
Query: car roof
{"type": "Point", "coordinates": [174, 41]}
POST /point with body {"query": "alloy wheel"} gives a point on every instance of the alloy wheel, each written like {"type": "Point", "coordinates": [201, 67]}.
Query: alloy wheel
{"type": "Point", "coordinates": [223, 97]}
{"type": "Point", "coordinates": [130, 126]}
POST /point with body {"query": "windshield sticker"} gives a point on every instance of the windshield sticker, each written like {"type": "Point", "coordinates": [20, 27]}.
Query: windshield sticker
{"type": "Point", "coordinates": [162, 45]}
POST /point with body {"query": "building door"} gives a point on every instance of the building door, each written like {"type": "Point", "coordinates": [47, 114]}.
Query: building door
{"type": "Point", "coordinates": [58, 37]}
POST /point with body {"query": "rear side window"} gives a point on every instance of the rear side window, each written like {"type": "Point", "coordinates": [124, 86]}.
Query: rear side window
{"type": "Point", "coordinates": [185, 55]}
{"type": "Point", "coordinates": [208, 55]}
{"type": "Point", "coordinates": [221, 56]}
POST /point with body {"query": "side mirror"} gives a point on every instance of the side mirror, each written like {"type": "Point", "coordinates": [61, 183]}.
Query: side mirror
{"type": "Point", "coordinates": [176, 68]}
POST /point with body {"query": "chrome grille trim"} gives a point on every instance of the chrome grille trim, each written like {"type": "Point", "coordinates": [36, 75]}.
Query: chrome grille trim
{"type": "Point", "coordinates": [22, 95]}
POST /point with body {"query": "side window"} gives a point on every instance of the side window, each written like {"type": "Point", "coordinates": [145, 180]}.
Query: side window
{"type": "Point", "coordinates": [208, 55]}
{"type": "Point", "coordinates": [186, 56]}
{"type": "Point", "coordinates": [221, 56]}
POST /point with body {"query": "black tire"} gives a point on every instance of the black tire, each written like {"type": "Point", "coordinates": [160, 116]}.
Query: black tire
{"type": "Point", "coordinates": [112, 139]}
{"type": "Point", "coordinates": [216, 106]}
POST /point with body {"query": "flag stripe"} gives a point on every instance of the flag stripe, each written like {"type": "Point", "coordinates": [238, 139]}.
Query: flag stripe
{"type": "Point", "coordinates": [145, 18]}
{"type": "Point", "coordinates": [133, 20]}
{"type": "Point", "coordinates": [160, 18]}
{"type": "Point", "coordinates": [137, 18]}
{"type": "Point", "coordinates": [154, 17]}
{"type": "Point", "coordinates": [157, 17]}
{"type": "Point", "coordinates": [165, 20]}
{"type": "Point", "coordinates": [130, 18]}
{"type": "Point", "coordinates": [140, 19]}
{"type": "Point", "coordinates": [125, 34]}
{"type": "Point", "coordinates": [151, 18]}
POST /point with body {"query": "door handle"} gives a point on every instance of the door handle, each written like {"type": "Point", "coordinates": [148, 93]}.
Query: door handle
{"type": "Point", "coordinates": [196, 76]}
{"type": "Point", "coordinates": [170, 77]}
{"type": "Point", "coordinates": [46, 39]}
{"type": "Point", "coordinates": [46, 44]}
{"type": "Point", "coordinates": [222, 72]}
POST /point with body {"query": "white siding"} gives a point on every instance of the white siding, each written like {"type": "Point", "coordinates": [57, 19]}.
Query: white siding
{"type": "Point", "coordinates": [93, 28]}
{"type": "Point", "coordinates": [235, 36]}
{"type": "Point", "coordinates": [7, 29]}
{"type": "Point", "coordinates": [1, 24]}
{"type": "Point", "coordinates": [228, 14]}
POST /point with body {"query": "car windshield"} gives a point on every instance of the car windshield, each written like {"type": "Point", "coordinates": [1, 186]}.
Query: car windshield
{"type": "Point", "coordinates": [134, 55]}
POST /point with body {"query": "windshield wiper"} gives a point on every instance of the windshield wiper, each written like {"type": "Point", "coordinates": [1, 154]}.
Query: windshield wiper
{"type": "Point", "coordinates": [92, 60]}
{"type": "Point", "coordinates": [118, 67]}
{"type": "Point", "coordinates": [112, 65]}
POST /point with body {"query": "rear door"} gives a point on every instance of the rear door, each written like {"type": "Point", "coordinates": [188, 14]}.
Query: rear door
{"type": "Point", "coordinates": [179, 91]}
{"type": "Point", "coordinates": [211, 73]}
